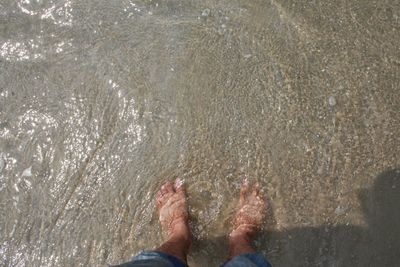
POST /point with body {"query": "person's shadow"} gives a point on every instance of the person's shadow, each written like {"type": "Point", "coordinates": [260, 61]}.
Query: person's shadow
{"type": "Point", "coordinates": [378, 244]}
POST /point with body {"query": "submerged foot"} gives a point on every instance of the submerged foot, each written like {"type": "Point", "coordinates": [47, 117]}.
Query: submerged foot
{"type": "Point", "coordinates": [173, 210]}
{"type": "Point", "coordinates": [252, 209]}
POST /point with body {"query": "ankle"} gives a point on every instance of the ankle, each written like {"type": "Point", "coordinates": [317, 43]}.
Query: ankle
{"type": "Point", "coordinates": [180, 231]}
{"type": "Point", "coordinates": [240, 243]}
{"type": "Point", "coordinates": [243, 232]}
{"type": "Point", "coordinates": [240, 238]}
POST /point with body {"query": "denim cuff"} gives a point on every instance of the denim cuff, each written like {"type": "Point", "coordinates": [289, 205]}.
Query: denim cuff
{"type": "Point", "coordinates": [248, 260]}
{"type": "Point", "coordinates": [154, 255]}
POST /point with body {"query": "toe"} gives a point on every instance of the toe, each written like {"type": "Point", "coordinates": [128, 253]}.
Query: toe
{"type": "Point", "coordinates": [169, 187]}
{"type": "Point", "coordinates": [245, 188]}
{"type": "Point", "coordinates": [179, 186]}
{"type": "Point", "coordinates": [159, 195]}
{"type": "Point", "coordinates": [244, 193]}
{"type": "Point", "coordinates": [256, 189]}
{"type": "Point", "coordinates": [163, 190]}
{"type": "Point", "coordinates": [266, 206]}
{"type": "Point", "coordinates": [159, 199]}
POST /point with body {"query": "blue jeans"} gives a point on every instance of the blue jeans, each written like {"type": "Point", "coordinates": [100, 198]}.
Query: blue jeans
{"type": "Point", "coordinates": [159, 259]}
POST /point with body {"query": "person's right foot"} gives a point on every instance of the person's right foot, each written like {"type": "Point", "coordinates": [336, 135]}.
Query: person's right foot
{"type": "Point", "coordinates": [252, 209]}
{"type": "Point", "coordinates": [174, 219]}
{"type": "Point", "coordinates": [173, 210]}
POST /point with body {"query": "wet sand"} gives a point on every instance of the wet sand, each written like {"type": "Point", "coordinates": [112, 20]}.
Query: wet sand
{"type": "Point", "coordinates": [102, 101]}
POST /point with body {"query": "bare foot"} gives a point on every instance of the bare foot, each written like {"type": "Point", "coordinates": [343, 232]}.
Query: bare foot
{"type": "Point", "coordinates": [252, 209]}
{"type": "Point", "coordinates": [173, 210]}
{"type": "Point", "coordinates": [172, 207]}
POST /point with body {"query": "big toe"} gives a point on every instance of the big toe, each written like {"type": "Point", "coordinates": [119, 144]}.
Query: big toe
{"type": "Point", "coordinates": [168, 187]}
{"type": "Point", "coordinates": [244, 190]}
{"type": "Point", "coordinates": [179, 186]}
{"type": "Point", "coordinates": [255, 190]}
{"type": "Point", "coordinates": [164, 193]}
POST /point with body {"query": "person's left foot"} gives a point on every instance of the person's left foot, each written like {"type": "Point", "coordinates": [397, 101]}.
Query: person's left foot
{"type": "Point", "coordinates": [173, 210]}
{"type": "Point", "coordinates": [252, 209]}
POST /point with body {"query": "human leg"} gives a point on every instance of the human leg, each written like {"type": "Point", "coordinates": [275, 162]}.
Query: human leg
{"type": "Point", "coordinates": [173, 216]}
{"type": "Point", "coordinates": [252, 209]}
{"type": "Point", "coordinates": [172, 206]}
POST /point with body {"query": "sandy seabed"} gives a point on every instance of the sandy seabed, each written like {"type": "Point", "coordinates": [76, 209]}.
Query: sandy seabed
{"type": "Point", "coordinates": [102, 101]}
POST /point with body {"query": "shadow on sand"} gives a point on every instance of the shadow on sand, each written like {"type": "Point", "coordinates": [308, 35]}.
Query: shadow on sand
{"type": "Point", "coordinates": [378, 244]}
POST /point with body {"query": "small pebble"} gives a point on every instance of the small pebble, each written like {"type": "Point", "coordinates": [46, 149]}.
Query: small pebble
{"type": "Point", "coordinates": [332, 101]}
{"type": "Point", "coordinates": [27, 172]}
{"type": "Point", "coordinates": [340, 210]}
{"type": "Point", "coordinates": [206, 12]}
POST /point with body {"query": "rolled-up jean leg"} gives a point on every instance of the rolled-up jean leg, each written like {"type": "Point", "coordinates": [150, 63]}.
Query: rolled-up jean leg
{"type": "Point", "coordinates": [248, 260]}
{"type": "Point", "coordinates": [153, 259]}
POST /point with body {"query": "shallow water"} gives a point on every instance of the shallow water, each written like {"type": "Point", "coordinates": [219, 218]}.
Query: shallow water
{"type": "Point", "coordinates": [102, 101]}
